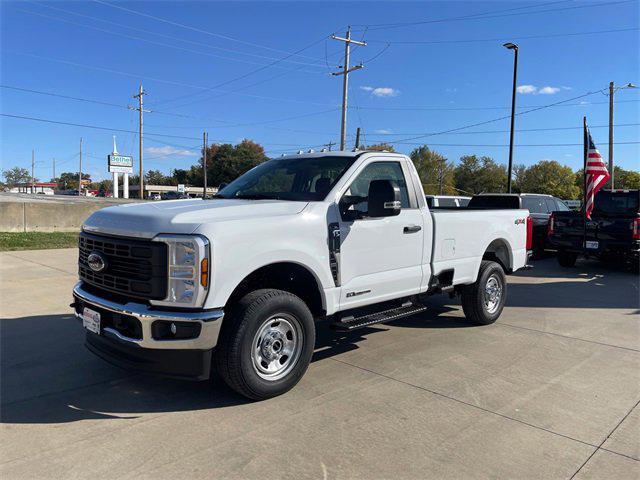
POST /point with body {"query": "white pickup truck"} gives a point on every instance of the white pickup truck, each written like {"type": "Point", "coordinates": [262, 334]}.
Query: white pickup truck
{"type": "Point", "coordinates": [237, 283]}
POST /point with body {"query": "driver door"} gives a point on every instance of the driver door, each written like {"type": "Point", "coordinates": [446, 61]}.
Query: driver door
{"type": "Point", "coordinates": [381, 258]}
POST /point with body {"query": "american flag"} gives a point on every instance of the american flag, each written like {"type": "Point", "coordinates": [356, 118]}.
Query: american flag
{"type": "Point", "coordinates": [596, 172]}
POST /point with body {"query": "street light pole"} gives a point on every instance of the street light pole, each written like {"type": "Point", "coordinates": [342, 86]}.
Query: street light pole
{"type": "Point", "coordinates": [514, 47]}
{"type": "Point", "coordinates": [612, 90]}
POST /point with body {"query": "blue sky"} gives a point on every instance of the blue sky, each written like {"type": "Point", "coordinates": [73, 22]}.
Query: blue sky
{"type": "Point", "coordinates": [91, 50]}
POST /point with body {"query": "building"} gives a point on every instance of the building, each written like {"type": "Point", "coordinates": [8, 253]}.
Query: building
{"type": "Point", "coordinates": [42, 188]}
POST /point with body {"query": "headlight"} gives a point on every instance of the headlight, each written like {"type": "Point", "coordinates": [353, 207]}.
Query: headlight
{"type": "Point", "coordinates": [188, 270]}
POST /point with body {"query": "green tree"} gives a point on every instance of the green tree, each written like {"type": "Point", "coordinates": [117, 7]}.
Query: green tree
{"type": "Point", "coordinates": [16, 175]}
{"type": "Point", "coordinates": [475, 175]}
{"type": "Point", "coordinates": [227, 162]}
{"type": "Point", "coordinates": [436, 173]}
{"type": "Point", "coordinates": [628, 179]}
{"type": "Point", "coordinates": [69, 180]}
{"type": "Point", "coordinates": [156, 177]}
{"type": "Point", "coordinates": [549, 177]}
{"type": "Point", "coordinates": [379, 147]}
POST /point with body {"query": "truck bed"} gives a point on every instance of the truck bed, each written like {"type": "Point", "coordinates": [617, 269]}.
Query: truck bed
{"type": "Point", "coordinates": [460, 233]}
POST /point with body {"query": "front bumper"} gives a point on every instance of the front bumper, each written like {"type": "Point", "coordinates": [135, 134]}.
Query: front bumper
{"type": "Point", "coordinates": [136, 348]}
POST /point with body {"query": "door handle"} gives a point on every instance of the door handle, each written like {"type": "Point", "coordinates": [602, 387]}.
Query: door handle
{"type": "Point", "coordinates": [412, 229]}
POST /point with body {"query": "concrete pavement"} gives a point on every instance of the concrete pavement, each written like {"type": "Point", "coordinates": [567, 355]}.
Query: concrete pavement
{"type": "Point", "coordinates": [550, 391]}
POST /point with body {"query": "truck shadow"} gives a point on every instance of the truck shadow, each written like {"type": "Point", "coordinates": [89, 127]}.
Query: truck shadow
{"type": "Point", "coordinates": [47, 376]}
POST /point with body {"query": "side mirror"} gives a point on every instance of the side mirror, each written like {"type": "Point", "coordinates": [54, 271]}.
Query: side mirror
{"type": "Point", "coordinates": [384, 199]}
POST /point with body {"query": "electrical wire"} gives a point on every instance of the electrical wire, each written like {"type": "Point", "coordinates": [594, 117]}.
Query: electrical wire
{"type": "Point", "coordinates": [506, 38]}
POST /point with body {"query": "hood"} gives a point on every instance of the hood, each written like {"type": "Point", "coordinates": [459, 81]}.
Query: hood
{"type": "Point", "coordinates": [148, 219]}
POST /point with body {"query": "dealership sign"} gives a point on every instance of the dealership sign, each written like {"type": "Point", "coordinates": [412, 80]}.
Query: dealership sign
{"type": "Point", "coordinates": [120, 163]}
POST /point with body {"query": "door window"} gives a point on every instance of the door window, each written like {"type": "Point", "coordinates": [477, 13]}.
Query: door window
{"type": "Point", "coordinates": [562, 207]}
{"type": "Point", "coordinates": [378, 171]}
{"type": "Point", "coordinates": [551, 204]}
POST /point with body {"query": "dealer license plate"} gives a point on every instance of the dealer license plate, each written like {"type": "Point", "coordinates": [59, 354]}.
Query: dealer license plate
{"type": "Point", "coordinates": [591, 245]}
{"type": "Point", "coordinates": [91, 320]}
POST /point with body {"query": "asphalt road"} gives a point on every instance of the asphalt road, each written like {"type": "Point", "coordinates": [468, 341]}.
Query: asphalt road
{"type": "Point", "coordinates": [550, 391]}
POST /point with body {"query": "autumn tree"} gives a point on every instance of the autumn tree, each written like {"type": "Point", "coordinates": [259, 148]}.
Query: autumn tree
{"type": "Point", "coordinates": [475, 175]}
{"type": "Point", "coordinates": [380, 147]}
{"type": "Point", "coordinates": [435, 172]}
{"type": "Point", "coordinates": [69, 180]}
{"type": "Point", "coordinates": [549, 177]}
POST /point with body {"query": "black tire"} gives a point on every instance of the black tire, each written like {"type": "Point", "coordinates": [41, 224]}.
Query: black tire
{"type": "Point", "coordinates": [234, 357]}
{"type": "Point", "coordinates": [473, 296]}
{"type": "Point", "coordinates": [567, 259]}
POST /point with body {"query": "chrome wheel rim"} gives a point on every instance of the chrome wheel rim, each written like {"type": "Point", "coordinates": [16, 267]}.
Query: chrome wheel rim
{"type": "Point", "coordinates": [492, 294]}
{"type": "Point", "coordinates": [276, 347]}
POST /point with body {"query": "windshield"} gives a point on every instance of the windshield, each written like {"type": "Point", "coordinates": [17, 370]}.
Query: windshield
{"type": "Point", "coordinates": [298, 179]}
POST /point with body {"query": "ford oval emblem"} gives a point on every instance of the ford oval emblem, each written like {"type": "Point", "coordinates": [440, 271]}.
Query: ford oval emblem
{"type": "Point", "coordinates": [97, 262]}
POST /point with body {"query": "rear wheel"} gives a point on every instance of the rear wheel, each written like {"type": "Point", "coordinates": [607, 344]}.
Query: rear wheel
{"type": "Point", "coordinates": [567, 259]}
{"type": "Point", "coordinates": [266, 344]}
{"type": "Point", "coordinates": [483, 301]}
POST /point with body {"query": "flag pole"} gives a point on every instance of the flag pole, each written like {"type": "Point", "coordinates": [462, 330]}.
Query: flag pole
{"type": "Point", "coordinates": [585, 141]}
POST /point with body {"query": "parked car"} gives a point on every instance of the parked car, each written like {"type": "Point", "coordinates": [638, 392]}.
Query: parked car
{"type": "Point", "coordinates": [540, 207]}
{"type": "Point", "coordinates": [236, 284]}
{"type": "Point", "coordinates": [174, 195]}
{"type": "Point", "coordinates": [439, 201]}
{"type": "Point", "coordinates": [612, 233]}
{"type": "Point", "coordinates": [155, 196]}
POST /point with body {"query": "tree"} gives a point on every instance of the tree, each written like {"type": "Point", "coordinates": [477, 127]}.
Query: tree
{"type": "Point", "coordinates": [549, 177]}
{"type": "Point", "coordinates": [156, 177]}
{"type": "Point", "coordinates": [227, 162]}
{"type": "Point", "coordinates": [379, 147]}
{"type": "Point", "coordinates": [435, 172]}
{"type": "Point", "coordinates": [475, 175]}
{"type": "Point", "coordinates": [16, 175]}
{"type": "Point", "coordinates": [69, 180]}
{"type": "Point", "coordinates": [627, 179]}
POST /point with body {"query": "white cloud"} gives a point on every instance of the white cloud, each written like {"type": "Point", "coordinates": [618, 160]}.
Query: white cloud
{"type": "Point", "coordinates": [382, 131]}
{"type": "Point", "coordinates": [451, 90]}
{"type": "Point", "coordinates": [383, 92]}
{"type": "Point", "coordinates": [526, 89]}
{"type": "Point", "coordinates": [166, 151]}
{"type": "Point", "coordinates": [532, 89]}
{"type": "Point", "coordinates": [548, 90]}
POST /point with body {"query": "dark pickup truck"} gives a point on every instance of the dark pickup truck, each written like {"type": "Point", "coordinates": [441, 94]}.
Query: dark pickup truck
{"type": "Point", "coordinates": [612, 233]}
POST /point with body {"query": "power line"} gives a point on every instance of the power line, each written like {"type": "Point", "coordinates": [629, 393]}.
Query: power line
{"type": "Point", "coordinates": [499, 15]}
{"type": "Point", "coordinates": [495, 119]}
{"type": "Point", "coordinates": [189, 27]}
{"type": "Point", "coordinates": [501, 39]}
{"type": "Point", "coordinates": [522, 107]}
{"type": "Point", "coordinates": [68, 97]}
{"type": "Point", "coordinates": [171, 37]}
{"type": "Point", "coordinates": [164, 45]}
{"type": "Point", "coordinates": [245, 75]}
{"type": "Point", "coordinates": [506, 144]}
{"type": "Point", "coordinates": [471, 16]}
{"type": "Point", "coordinates": [517, 130]}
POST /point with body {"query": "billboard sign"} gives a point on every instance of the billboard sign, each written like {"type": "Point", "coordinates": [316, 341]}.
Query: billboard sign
{"type": "Point", "coordinates": [120, 163]}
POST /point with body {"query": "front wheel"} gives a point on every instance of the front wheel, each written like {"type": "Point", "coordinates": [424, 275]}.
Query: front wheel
{"type": "Point", "coordinates": [266, 344]}
{"type": "Point", "coordinates": [483, 301]}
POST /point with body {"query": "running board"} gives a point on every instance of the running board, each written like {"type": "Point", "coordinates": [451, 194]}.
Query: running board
{"type": "Point", "coordinates": [350, 322]}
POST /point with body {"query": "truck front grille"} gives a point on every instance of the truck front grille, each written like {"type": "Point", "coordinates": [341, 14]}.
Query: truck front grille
{"type": "Point", "coordinates": [135, 268]}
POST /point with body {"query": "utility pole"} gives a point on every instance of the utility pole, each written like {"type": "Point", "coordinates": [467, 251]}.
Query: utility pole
{"type": "Point", "coordinates": [141, 110]}
{"type": "Point", "coordinates": [80, 173]}
{"type": "Point", "coordinates": [33, 165]}
{"type": "Point", "coordinates": [204, 164]}
{"type": "Point", "coordinates": [358, 138]}
{"type": "Point", "coordinates": [611, 172]}
{"type": "Point", "coordinates": [329, 145]}
{"type": "Point", "coordinates": [345, 80]}
{"type": "Point", "coordinates": [54, 169]}
{"type": "Point", "coordinates": [441, 179]}
{"type": "Point", "coordinates": [612, 91]}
